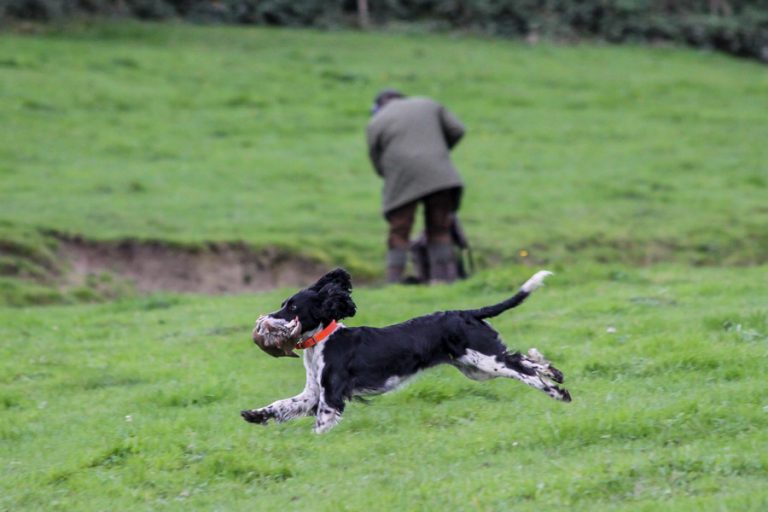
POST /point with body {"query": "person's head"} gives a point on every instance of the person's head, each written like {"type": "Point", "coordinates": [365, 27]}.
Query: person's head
{"type": "Point", "coordinates": [384, 97]}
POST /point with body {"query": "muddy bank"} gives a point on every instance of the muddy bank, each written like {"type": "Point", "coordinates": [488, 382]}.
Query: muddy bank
{"type": "Point", "coordinates": [212, 268]}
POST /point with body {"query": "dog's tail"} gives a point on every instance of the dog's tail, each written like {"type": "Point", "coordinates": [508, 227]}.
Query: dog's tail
{"type": "Point", "coordinates": [490, 311]}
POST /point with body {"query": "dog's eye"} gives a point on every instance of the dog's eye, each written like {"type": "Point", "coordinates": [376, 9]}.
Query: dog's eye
{"type": "Point", "coordinates": [292, 307]}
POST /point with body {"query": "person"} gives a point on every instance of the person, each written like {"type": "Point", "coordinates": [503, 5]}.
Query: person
{"type": "Point", "coordinates": [409, 141]}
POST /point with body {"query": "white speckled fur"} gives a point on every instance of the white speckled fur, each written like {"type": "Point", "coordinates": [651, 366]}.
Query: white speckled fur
{"type": "Point", "coordinates": [535, 281]}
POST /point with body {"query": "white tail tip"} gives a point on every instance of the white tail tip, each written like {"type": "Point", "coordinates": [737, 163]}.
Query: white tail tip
{"type": "Point", "coordinates": [535, 281]}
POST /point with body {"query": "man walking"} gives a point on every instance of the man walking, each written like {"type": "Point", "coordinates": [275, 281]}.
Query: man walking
{"type": "Point", "coordinates": [409, 141]}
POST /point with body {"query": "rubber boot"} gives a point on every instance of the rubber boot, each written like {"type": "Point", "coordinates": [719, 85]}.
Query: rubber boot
{"type": "Point", "coordinates": [396, 260]}
{"type": "Point", "coordinates": [442, 263]}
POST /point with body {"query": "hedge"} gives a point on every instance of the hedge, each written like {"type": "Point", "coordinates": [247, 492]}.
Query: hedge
{"type": "Point", "coordinates": [738, 27]}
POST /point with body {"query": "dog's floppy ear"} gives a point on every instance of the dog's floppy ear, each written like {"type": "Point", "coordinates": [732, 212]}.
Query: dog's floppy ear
{"type": "Point", "coordinates": [337, 303]}
{"type": "Point", "coordinates": [339, 277]}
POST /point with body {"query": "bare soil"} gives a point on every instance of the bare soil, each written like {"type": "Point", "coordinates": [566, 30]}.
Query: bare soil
{"type": "Point", "coordinates": [214, 268]}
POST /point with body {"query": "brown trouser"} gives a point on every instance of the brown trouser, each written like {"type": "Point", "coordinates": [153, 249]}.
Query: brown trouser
{"type": "Point", "coordinates": [439, 208]}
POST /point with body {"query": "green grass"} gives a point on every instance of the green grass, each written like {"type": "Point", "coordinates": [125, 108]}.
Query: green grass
{"type": "Point", "coordinates": [600, 161]}
{"type": "Point", "coordinates": [669, 411]}
{"type": "Point", "coordinates": [197, 133]}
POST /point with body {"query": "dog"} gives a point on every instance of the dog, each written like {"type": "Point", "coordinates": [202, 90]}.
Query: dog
{"type": "Point", "coordinates": [343, 363]}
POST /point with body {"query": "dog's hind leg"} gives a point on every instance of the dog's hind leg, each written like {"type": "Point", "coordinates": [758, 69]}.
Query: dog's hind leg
{"type": "Point", "coordinates": [472, 372]}
{"type": "Point", "coordinates": [532, 370]}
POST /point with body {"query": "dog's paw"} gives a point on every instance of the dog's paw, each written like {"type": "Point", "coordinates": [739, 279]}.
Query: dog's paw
{"type": "Point", "coordinates": [327, 418]}
{"type": "Point", "coordinates": [255, 416]}
{"type": "Point", "coordinates": [543, 367]}
{"type": "Point", "coordinates": [561, 394]}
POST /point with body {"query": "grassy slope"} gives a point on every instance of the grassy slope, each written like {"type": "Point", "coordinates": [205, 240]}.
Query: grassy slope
{"type": "Point", "coordinates": [190, 134]}
{"type": "Point", "coordinates": [669, 411]}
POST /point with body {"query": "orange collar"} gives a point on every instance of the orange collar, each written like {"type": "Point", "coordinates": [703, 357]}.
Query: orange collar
{"type": "Point", "coordinates": [317, 338]}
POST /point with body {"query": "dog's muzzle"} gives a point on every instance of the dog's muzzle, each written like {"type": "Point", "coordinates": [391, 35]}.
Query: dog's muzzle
{"type": "Point", "coordinates": [277, 337]}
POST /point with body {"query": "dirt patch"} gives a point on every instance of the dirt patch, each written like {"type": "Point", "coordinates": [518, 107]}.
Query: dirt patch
{"type": "Point", "coordinates": [213, 268]}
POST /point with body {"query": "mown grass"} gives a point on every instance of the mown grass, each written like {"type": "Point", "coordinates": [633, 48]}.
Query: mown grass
{"type": "Point", "coordinates": [190, 134]}
{"type": "Point", "coordinates": [134, 405]}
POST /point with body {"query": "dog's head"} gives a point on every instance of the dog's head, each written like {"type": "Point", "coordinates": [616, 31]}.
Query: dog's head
{"type": "Point", "coordinates": [300, 315]}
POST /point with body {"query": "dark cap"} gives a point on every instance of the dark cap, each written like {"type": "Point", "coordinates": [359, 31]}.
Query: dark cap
{"type": "Point", "coordinates": [384, 96]}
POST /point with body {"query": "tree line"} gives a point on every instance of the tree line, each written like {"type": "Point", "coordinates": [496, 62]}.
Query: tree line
{"type": "Point", "coordinates": [738, 27]}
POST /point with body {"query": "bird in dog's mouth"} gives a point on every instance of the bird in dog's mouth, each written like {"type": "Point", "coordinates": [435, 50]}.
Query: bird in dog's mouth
{"type": "Point", "coordinates": [277, 337]}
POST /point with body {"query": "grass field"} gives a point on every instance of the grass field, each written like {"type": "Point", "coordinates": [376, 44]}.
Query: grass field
{"type": "Point", "coordinates": [638, 174]}
{"type": "Point", "coordinates": [134, 405]}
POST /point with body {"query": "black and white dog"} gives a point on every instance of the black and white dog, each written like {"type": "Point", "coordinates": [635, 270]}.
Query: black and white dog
{"type": "Point", "coordinates": [345, 362]}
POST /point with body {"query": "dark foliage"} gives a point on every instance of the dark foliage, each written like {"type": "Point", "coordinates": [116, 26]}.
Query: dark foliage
{"type": "Point", "coordinates": [738, 27]}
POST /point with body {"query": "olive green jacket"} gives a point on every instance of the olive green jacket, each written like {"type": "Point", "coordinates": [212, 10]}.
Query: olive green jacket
{"type": "Point", "coordinates": [409, 141]}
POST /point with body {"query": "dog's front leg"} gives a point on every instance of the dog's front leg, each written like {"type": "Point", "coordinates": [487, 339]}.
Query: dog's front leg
{"type": "Point", "coordinates": [302, 404]}
{"type": "Point", "coordinates": [329, 410]}
{"type": "Point", "coordinates": [327, 417]}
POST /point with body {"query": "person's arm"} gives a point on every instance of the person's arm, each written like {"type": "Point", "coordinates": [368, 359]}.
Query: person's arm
{"type": "Point", "coordinates": [452, 127]}
{"type": "Point", "coordinates": [374, 149]}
